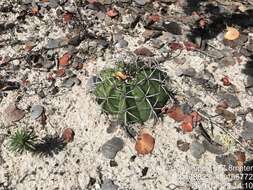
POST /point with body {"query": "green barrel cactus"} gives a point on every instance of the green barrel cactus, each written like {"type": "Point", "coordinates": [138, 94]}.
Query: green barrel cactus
{"type": "Point", "coordinates": [132, 92]}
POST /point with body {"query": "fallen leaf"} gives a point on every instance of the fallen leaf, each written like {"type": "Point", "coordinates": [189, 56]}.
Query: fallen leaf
{"type": "Point", "coordinates": [13, 113]}
{"type": "Point", "coordinates": [190, 46]}
{"type": "Point", "coordinates": [195, 117]}
{"type": "Point", "coordinates": [175, 46]}
{"type": "Point", "coordinates": [60, 72]}
{"type": "Point", "coordinates": [222, 105]}
{"type": "Point", "coordinates": [64, 60]}
{"type": "Point", "coordinates": [112, 13]}
{"type": "Point", "coordinates": [240, 157]}
{"type": "Point", "coordinates": [176, 113]}
{"type": "Point", "coordinates": [186, 127]}
{"type": "Point", "coordinates": [29, 46]}
{"type": "Point", "coordinates": [121, 76]}
{"type": "Point", "coordinates": [154, 18]}
{"type": "Point", "coordinates": [226, 81]}
{"type": "Point", "coordinates": [35, 10]}
{"type": "Point", "coordinates": [67, 17]}
{"type": "Point", "coordinates": [68, 135]}
{"type": "Point", "coordinates": [145, 144]}
{"type": "Point", "coordinates": [231, 34]}
{"type": "Point", "coordinates": [202, 23]}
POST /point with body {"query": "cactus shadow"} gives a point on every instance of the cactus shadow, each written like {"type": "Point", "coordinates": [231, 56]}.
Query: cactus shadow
{"type": "Point", "coordinates": [218, 20]}
{"type": "Point", "coordinates": [50, 145]}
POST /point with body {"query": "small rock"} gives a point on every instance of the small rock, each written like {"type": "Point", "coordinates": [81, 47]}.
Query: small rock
{"type": "Point", "coordinates": [172, 27]}
{"type": "Point", "coordinates": [13, 113]}
{"type": "Point", "coordinates": [53, 43]}
{"type": "Point", "coordinates": [144, 171]}
{"type": "Point", "coordinates": [183, 146]}
{"type": "Point", "coordinates": [109, 185]}
{"type": "Point", "coordinates": [121, 44]}
{"type": "Point", "coordinates": [247, 133]}
{"type": "Point", "coordinates": [197, 149]}
{"type": "Point", "coordinates": [231, 99]}
{"type": "Point", "coordinates": [68, 83]}
{"type": "Point", "coordinates": [91, 83]}
{"type": "Point", "coordinates": [112, 147]}
{"type": "Point", "coordinates": [143, 51]}
{"type": "Point", "coordinates": [229, 116]}
{"type": "Point", "coordinates": [36, 111]}
{"type": "Point", "coordinates": [227, 160]}
{"type": "Point", "coordinates": [114, 125]}
{"type": "Point", "coordinates": [227, 61]}
{"type": "Point", "coordinates": [68, 135]}
{"type": "Point", "coordinates": [214, 147]}
{"type": "Point", "coordinates": [141, 2]}
{"type": "Point", "coordinates": [189, 72]}
{"type": "Point", "coordinates": [113, 163]}
{"type": "Point", "coordinates": [76, 40]}
{"type": "Point", "coordinates": [148, 34]}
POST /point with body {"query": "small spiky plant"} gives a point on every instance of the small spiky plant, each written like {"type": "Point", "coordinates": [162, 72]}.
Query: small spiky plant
{"type": "Point", "coordinates": [132, 92]}
{"type": "Point", "coordinates": [22, 141]}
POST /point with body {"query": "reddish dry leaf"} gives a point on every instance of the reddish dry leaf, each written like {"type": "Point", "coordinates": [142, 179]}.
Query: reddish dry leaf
{"type": "Point", "coordinates": [202, 23]}
{"type": "Point", "coordinates": [68, 135]}
{"type": "Point", "coordinates": [190, 46]}
{"type": "Point", "coordinates": [154, 18]}
{"type": "Point", "coordinates": [175, 46]}
{"type": "Point", "coordinates": [35, 10]}
{"type": "Point", "coordinates": [64, 60]}
{"type": "Point", "coordinates": [226, 81]}
{"type": "Point", "coordinates": [29, 46]}
{"type": "Point", "coordinates": [223, 105]}
{"type": "Point", "coordinates": [50, 77]}
{"type": "Point", "coordinates": [240, 157]}
{"type": "Point", "coordinates": [145, 144]}
{"type": "Point", "coordinates": [176, 113]}
{"type": "Point", "coordinates": [67, 17]}
{"type": "Point", "coordinates": [112, 13]}
{"type": "Point", "coordinates": [60, 72]}
{"type": "Point", "coordinates": [186, 126]}
{"type": "Point", "coordinates": [195, 117]}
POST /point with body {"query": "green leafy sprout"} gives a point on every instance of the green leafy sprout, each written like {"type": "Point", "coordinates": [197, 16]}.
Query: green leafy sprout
{"type": "Point", "coordinates": [23, 141]}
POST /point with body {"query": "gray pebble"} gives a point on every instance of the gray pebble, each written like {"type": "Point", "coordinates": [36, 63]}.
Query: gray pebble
{"type": "Point", "coordinates": [227, 61]}
{"type": "Point", "coordinates": [141, 2]}
{"type": "Point", "coordinates": [36, 111]}
{"type": "Point", "coordinates": [190, 72]}
{"type": "Point", "coordinates": [227, 160]}
{"type": "Point", "coordinates": [91, 83]}
{"type": "Point", "coordinates": [53, 43]}
{"type": "Point", "coordinates": [214, 148]}
{"type": "Point", "coordinates": [197, 149]}
{"type": "Point", "coordinates": [112, 147]}
{"type": "Point", "coordinates": [231, 99]}
{"type": "Point", "coordinates": [247, 133]}
{"type": "Point", "coordinates": [121, 44]}
{"type": "Point", "coordinates": [109, 185]}
{"type": "Point", "coordinates": [68, 83]}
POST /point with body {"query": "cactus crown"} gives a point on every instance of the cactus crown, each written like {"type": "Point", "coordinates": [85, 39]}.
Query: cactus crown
{"type": "Point", "coordinates": [132, 92]}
